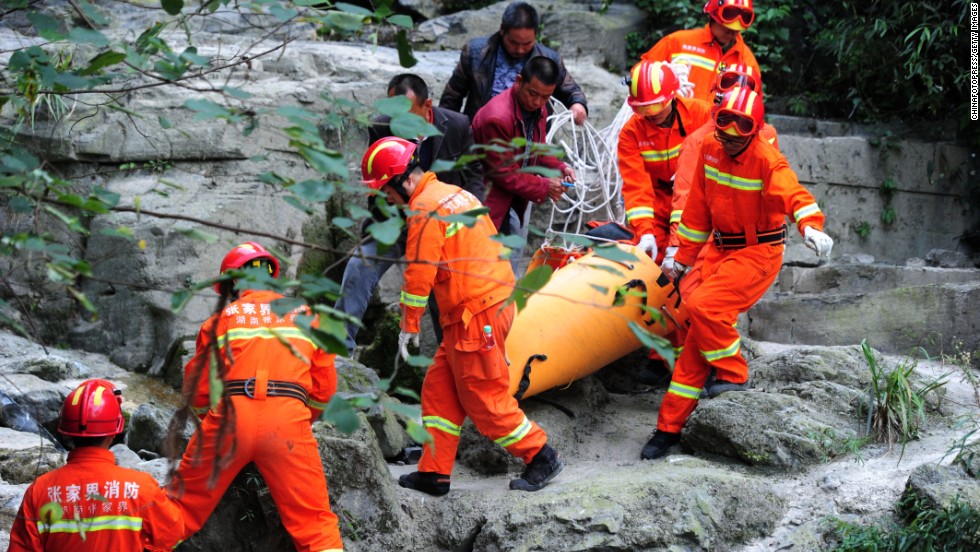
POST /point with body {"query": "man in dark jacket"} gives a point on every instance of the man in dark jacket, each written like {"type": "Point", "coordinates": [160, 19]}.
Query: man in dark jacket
{"type": "Point", "coordinates": [488, 66]}
{"type": "Point", "coordinates": [366, 267]}
{"type": "Point", "coordinates": [519, 112]}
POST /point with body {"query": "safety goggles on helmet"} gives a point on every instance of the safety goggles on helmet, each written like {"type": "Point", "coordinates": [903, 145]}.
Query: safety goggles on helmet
{"type": "Point", "coordinates": [650, 110]}
{"type": "Point", "coordinates": [729, 13]}
{"type": "Point", "coordinates": [730, 79]}
{"type": "Point", "coordinates": [726, 120]}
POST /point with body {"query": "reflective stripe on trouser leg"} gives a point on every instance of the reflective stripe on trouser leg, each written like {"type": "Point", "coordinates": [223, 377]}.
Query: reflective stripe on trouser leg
{"type": "Point", "coordinates": [690, 373]}
{"type": "Point", "coordinates": [288, 457]}
{"type": "Point", "coordinates": [483, 386]}
{"type": "Point", "coordinates": [442, 414]}
{"type": "Point", "coordinates": [733, 282]}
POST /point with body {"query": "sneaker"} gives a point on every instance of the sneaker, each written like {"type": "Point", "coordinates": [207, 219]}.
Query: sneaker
{"type": "Point", "coordinates": [717, 387]}
{"type": "Point", "coordinates": [545, 465]}
{"type": "Point", "coordinates": [658, 444]}
{"type": "Point", "coordinates": [435, 484]}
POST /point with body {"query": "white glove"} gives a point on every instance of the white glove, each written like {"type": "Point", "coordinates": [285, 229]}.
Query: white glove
{"type": "Point", "coordinates": [818, 241]}
{"type": "Point", "coordinates": [682, 71]}
{"type": "Point", "coordinates": [680, 270]}
{"type": "Point", "coordinates": [648, 243]}
{"type": "Point", "coordinates": [403, 339]}
{"type": "Point", "coordinates": [667, 267]}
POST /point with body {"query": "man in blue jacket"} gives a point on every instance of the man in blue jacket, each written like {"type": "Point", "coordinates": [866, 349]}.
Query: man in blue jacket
{"type": "Point", "coordinates": [488, 66]}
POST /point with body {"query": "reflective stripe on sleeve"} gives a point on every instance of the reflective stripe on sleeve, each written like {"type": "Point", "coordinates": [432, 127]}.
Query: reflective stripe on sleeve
{"type": "Point", "coordinates": [675, 216]}
{"type": "Point", "coordinates": [639, 213]}
{"type": "Point", "coordinates": [414, 300]}
{"type": "Point", "coordinates": [690, 234]}
{"type": "Point", "coordinates": [453, 228]}
{"type": "Point", "coordinates": [805, 211]}
{"type": "Point", "coordinates": [659, 156]}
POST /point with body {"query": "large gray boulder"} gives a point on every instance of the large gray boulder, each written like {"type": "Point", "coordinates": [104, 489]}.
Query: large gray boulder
{"type": "Point", "coordinates": [24, 456]}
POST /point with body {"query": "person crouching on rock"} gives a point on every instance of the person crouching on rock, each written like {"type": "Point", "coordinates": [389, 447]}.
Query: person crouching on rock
{"type": "Point", "coordinates": [462, 265]}
{"type": "Point", "coordinates": [91, 504]}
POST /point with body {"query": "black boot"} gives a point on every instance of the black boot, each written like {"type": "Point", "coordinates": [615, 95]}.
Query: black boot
{"type": "Point", "coordinates": [545, 465]}
{"type": "Point", "coordinates": [435, 484]}
{"type": "Point", "coordinates": [717, 387]}
{"type": "Point", "coordinates": [658, 444]}
{"type": "Point", "coordinates": [656, 374]}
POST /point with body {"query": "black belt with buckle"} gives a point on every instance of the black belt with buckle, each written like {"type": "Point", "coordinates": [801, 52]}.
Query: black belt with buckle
{"type": "Point", "coordinates": [737, 241]}
{"type": "Point", "coordinates": [274, 388]}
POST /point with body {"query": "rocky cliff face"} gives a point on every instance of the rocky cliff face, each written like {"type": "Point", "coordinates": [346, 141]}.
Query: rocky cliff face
{"type": "Point", "coordinates": [759, 470]}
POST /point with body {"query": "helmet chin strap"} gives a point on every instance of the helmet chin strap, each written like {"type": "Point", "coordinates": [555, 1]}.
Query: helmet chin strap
{"type": "Point", "coordinates": [399, 184]}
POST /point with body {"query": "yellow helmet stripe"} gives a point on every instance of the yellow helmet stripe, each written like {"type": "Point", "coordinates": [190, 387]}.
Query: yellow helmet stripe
{"type": "Point", "coordinates": [98, 395]}
{"type": "Point", "coordinates": [375, 152]}
{"type": "Point", "coordinates": [655, 77]}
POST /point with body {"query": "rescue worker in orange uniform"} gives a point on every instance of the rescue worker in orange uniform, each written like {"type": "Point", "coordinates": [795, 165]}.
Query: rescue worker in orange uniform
{"type": "Point", "coordinates": [743, 189]}
{"type": "Point", "coordinates": [730, 77]}
{"type": "Point", "coordinates": [460, 263]}
{"type": "Point", "coordinates": [91, 503]}
{"type": "Point", "coordinates": [710, 49]}
{"type": "Point", "coordinates": [648, 147]}
{"type": "Point", "coordinates": [276, 383]}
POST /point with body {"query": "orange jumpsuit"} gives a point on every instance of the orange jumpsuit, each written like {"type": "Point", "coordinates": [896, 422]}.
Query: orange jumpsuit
{"type": "Point", "coordinates": [461, 264]}
{"type": "Point", "coordinates": [699, 49]}
{"type": "Point", "coordinates": [647, 160]}
{"type": "Point", "coordinates": [272, 431]}
{"type": "Point", "coordinates": [687, 162]}
{"type": "Point", "coordinates": [102, 507]}
{"type": "Point", "coordinates": [748, 195]}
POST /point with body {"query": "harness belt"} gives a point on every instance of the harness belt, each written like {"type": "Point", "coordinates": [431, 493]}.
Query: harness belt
{"type": "Point", "coordinates": [738, 241]}
{"type": "Point", "coordinates": [274, 388]}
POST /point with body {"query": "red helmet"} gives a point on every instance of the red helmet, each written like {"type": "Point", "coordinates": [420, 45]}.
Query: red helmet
{"type": "Point", "coordinates": [240, 255]}
{"type": "Point", "coordinates": [92, 410]}
{"type": "Point", "coordinates": [386, 159]}
{"type": "Point", "coordinates": [736, 15]}
{"type": "Point", "coordinates": [652, 83]}
{"type": "Point", "coordinates": [737, 74]}
{"type": "Point", "coordinates": [741, 112]}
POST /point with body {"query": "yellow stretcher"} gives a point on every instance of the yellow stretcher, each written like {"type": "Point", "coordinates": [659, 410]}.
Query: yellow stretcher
{"type": "Point", "coordinates": [580, 320]}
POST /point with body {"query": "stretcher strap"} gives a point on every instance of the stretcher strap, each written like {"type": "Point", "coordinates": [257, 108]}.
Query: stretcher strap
{"type": "Point", "coordinates": [274, 388]}
{"type": "Point", "coordinates": [526, 376]}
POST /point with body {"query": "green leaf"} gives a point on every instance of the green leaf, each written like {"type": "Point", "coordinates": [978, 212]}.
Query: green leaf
{"type": "Point", "coordinates": [282, 13]}
{"type": "Point", "coordinates": [121, 232]}
{"type": "Point", "coordinates": [411, 126]}
{"type": "Point", "coordinates": [529, 284]}
{"type": "Point", "coordinates": [164, 122]}
{"type": "Point", "coordinates": [344, 22]}
{"type": "Point", "coordinates": [395, 105]}
{"type": "Point", "coordinates": [655, 342]}
{"type": "Point", "coordinates": [105, 59]}
{"type": "Point", "coordinates": [419, 361]}
{"type": "Point", "coordinates": [298, 204]}
{"type": "Point", "coordinates": [313, 190]}
{"type": "Point", "coordinates": [190, 55]}
{"type": "Point", "coordinates": [81, 298]}
{"type": "Point", "coordinates": [352, 9]}
{"type": "Point", "coordinates": [47, 27]}
{"type": "Point", "coordinates": [179, 299]}
{"type": "Point", "coordinates": [614, 253]}
{"type": "Point", "coordinates": [172, 7]}
{"type": "Point", "coordinates": [410, 411]}
{"type": "Point", "coordinates": [236, 93]}
{"type": "Point", "coordinates": [72, 81]}
{"type": "Point", "coordinates": [340, 414]}
{"type": "Point", "coordinates": [295, 113]}
{"type": "Point", "coordinates": [402, 21]}
{"type": "Point", "coordinates": [512, 241]}
{"type": "Point", "coordinates": [79, 35]}
{"type": "Point", "coordinates": [206, 109]}
{"type": "Point", "coordinates": [326, 162]}
{"type": "Point", "coordinates": [386, 232]}
{"type": "Point", "coordinates": [405, 56]}
{"type": "Point", "coordinates": [195, 234]}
